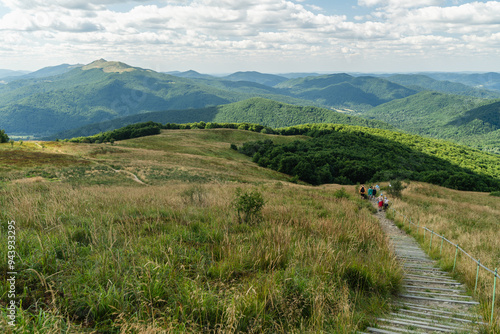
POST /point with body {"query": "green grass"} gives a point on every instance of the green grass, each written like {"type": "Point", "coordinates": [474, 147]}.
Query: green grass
{"type": "Point", "coordinates": [170, 256]}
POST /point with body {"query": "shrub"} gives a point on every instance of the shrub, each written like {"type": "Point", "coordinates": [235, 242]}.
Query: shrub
{"type": "Point", "coordinates": [3, 137]}
{"type": "Point", "coordinates": [396, 187]}
{"type": "Point", "coordinates": [495, 193]}
{"type": "Point", "coordinates": [341, 193]}
{"type": "Point", "coordinates": [248, 206]}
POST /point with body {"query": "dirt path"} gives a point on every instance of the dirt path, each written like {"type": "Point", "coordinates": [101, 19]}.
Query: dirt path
{"type": "Point", "coordinates": [432, 301]}
{"type": "Point", "coordinates": [134, 177]}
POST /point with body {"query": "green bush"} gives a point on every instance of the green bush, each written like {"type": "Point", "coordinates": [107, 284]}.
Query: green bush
{"type": "Point", "coordinates": [248, 206]}
{"type": "Point", "coordinates": [341, 193]}
{"type": "Point", "coordinates": [396, 187]}
{"type": "Point", "coordinates": [3, 137]}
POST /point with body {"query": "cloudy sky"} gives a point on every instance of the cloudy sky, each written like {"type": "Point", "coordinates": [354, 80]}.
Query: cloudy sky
{"type": "Point", "coordinates": [275, 36]}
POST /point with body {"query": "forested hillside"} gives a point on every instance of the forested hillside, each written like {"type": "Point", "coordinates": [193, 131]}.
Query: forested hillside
{"type": "Point", "coordinates": [346, 155]}
{"type": "Point", "coordinates": [349, 154]}
{"type": "Point", "coordinates": [422, 82]}
{"type": "Point", "coordinates": [102, 91]}
{"type": "Point", "coordinates": [81, 100]}
{"type": "Point", "coordinates": [256, 110]}
{"type": "Point", "coordinates": [466, 120]}
{"type": "Point", "coordinates": [346, 91]}
{"type": "Point", "coordinates": [490, 80]}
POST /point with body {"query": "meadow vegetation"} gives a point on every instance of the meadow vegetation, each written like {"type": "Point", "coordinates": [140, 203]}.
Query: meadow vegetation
{"type": "Point", "coordinates": [100, 252]}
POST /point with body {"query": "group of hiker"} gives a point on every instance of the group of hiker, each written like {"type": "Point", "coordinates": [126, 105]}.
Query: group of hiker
{"type": "Point", "coordinates": [371, 194]}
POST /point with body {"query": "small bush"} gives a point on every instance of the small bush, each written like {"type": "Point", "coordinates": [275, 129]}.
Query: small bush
{"type": "Point", "coordinates": [495, 193]}
{"type": "Point", "coordinates": [233, 146]}
{"type": "Point", "coordinates": [341, 193]}
{"type": "Point", "coordinates": [396, 187]}
{"type": "Point", "coordinates": [248, 206]}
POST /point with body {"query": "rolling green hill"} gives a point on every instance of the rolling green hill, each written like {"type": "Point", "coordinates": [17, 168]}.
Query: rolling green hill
{"type": "Point", "coordinates": [345, 91]}
{"type": "Point", "coordinates": [104, 90]}
{"type": "Point", "coordinates": [252, 76]}
{"type": "Point", "coordinates": [255, 110]}
{"type": "Point", "coordinates": [490, 80]}
{"type": "Point", "coordinates": [465, 120]}
{"type": "Point", "coordinates": [346, 154]}
{"type": "Point", "coordinates": [97, 92]}
{"type": "Point", "coordinates": [422, 82]}
{"type": "Point", "coordinates": [104, 95]}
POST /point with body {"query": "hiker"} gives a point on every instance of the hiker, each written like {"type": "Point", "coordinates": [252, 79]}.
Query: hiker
{"type": "Point", "coordinates": [370, 192]}
{"type": "Point", "coordinates": [386, 203]}
{"type": "Point", "coordinates": [380, 202]}
{"type": "Point", "coordinates": [362, 191]}
{"type": "Point", "coordinates": [374, 192]}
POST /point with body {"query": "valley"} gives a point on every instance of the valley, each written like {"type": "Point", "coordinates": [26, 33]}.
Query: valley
{"type": "Point", "coordinates": [184, 202]}
{"type": "Point", "coordinates": [80, 100]}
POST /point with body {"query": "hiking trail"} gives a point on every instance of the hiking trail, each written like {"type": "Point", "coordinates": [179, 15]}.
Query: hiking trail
{"type": "Point", "coordinates": [431, 300]}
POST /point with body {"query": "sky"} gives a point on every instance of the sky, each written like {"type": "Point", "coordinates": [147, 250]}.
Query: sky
{"type": "Point", "coordinates": [272, 36]}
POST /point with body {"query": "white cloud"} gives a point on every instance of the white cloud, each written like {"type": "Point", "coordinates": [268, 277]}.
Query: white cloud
{"type": "Point", "coordinates": [276, 29]}
{"type": "Point", "coordinates": [399, 3]}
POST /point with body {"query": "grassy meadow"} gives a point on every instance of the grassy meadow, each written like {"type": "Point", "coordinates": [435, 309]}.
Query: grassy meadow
{"type": "Point", "coordinates": [100, 252]}
{"type": "Point", "coordinates": [469, 219]}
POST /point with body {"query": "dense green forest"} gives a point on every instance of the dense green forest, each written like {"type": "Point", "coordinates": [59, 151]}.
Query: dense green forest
{"type": "Point", "coordinates": [346, 91]}
{"type": "Point", "coordinates": [103, 91]}
{"type": "Point", "coordinates": [421, 82]}
{"type": "Point", "coordinates": [127, 132]}
{"type": "Point", "coordinates": [466, 120]}
{"type": "Point", "coordinates": [256, 110]}
{"type": "Point", "coordinates": [347, 155]}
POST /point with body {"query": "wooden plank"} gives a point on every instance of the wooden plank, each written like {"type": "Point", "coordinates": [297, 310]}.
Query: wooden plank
{"type": "Point", "coordinates": [441, 300]}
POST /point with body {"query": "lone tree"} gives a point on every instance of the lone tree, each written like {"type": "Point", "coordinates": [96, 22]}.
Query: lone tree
{"type": "Point", "coordinates": [396, 188]}
{"type": "Point", "coordinates": [3, 137]}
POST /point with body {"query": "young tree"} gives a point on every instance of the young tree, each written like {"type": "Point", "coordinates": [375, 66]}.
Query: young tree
{"type": "Point", "coordinates": [396, 187]}
{"type": "Point", "coordinates": [3, 137]}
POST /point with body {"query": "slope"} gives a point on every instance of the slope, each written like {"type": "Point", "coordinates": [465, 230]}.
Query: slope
{"type": "Point", "coordinates": [345, 91]}
{"type": "Point", "coordinates": [443, 116]}
{"type": "Point", "coordinates": [347, 154]}
{"type": "Point", "coordinates": [255, 110]}
{"type": "Point", "coordinates": [490, 80]}
{"type": "Point", "coordinates": [105, 90]}
{"type": "Point", "coordinates": [253, 76]}
{"type": "Point", "coordinates": [170, 256]}
{"type": "Point", "coordinates": [100, 91]}
{"type": "Point", "coordinates": [422, 82]}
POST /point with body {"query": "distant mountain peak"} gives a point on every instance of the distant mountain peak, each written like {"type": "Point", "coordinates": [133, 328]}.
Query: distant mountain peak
{"type": "Point", "coordinates": [109, 66]}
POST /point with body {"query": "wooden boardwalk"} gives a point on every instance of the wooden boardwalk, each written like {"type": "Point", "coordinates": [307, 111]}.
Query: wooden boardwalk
{"type": "Point", "coordinates": [432, 301]}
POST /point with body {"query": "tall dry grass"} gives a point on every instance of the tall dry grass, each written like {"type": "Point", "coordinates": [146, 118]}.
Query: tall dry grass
{"type": "Point", "coordinates": [173, 258]}
{"type": "Point", "coordinates": [468, 219]}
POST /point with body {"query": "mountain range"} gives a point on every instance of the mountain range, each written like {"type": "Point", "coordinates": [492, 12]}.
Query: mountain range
{"type": "Point", "coordinates": [63, 100]}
